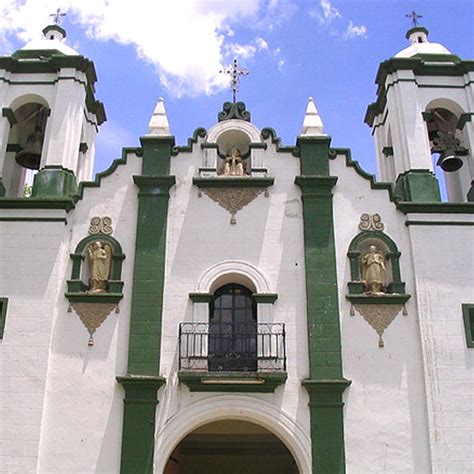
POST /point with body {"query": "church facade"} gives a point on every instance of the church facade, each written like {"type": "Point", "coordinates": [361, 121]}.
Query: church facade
{"type": "Point", "coordinates": [235, 303]}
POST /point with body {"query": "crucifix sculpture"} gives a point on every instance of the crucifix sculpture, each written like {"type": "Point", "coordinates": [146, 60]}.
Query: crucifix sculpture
{"type": "Point", "coordinates": [57, 17]}
{"type": "Point", "coordinates": [235, 72]}
{"type": "Point", "coordinates": [414, 18]}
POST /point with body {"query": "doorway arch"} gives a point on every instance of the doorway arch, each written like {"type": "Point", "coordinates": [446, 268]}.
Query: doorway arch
{"type": "Point", "coordinates": [234, 407]}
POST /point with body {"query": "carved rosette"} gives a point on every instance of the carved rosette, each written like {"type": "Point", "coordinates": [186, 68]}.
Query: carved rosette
{"type": "Point", "coordinates": [233, 199]}
{"type": "Point", "coordinates": [371, 222]}
{"type": "Point", "coordinates": [379, 316]}
{"type": "Point", "coordinates": [93, 315]}
{"type": "Point", "coordinates": [100, 225]}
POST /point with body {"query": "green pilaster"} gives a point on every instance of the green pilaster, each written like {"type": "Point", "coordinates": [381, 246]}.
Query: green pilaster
{"type": "Point", "coordinates": [326, 383]}
{"type": "Point", "coordinates": [54, 182]}
{"type": "Point", "coordinates": [418, 186]}
{"type": "Point", "coordinates": [143, 380]}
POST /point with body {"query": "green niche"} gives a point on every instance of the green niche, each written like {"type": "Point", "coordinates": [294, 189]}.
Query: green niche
{"type": "Point", "coordinates": [417, 186]}
{"type": "Point", "coordinates": [138, 440]}
{"type": "Point", "coordinates": [54, 182]}
{"type": "Point", "coordinates": [233, 110]}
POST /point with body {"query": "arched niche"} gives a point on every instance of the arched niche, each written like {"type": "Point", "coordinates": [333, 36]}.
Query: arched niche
{"type": "Point", "coordinates": [232, 407]}
{"type": "Point", "coordinates": [25, 143]}
{"type": "Point", "coordinates": [359, 246]}
{"type": "Point", "coordinates": [78, 284]}
{"type": "Point", "coordinates": [450, 145]}
{"type": "Point", "coordinates": [228, 134]}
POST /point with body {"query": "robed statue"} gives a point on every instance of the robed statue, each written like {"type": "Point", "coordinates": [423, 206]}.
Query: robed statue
{"type": "Point", "coordinates": [234, 165]}
{"type": "Point", "coordinates": [374, 271]}
{"type": "Point", "coordinates": [100, 257]}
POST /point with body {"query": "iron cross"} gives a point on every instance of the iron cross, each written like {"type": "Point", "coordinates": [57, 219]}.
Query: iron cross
{"type": "Point", "coordinates": [414, 17]}
{"type": "Point", "coordinates": [235, 72]}
{"type": "Point", "coordinates": [57, 17]}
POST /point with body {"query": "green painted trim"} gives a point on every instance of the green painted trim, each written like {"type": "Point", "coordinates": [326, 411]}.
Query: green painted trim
{"type": "Point", "coordinates": [54, 27]}
{"type": "Point", "coordinates": [138, 440]}
{"type": "Point", "coordinates": [3, 315]}
{"type": "Point", "coordinates": [233, 182]}
{"type": "Point", "coordinates": [108, 172]}
{"type": "Point", "coordinates": [270, 133]}
{"type": "Point", "coordinates": [9, 115]}
{"type": "Point", "coordinates": [253, 382]}
{"type": "Point", "coordinates": [387, 151]}
{"type": "Point", "coordinates": [455, 223]}
{"type": "Point", "coordinates": [37, 203]}
{"type": "Point", "coordinates": [3, 190]}
{"type": "Point", "coordinates": [83, 147]}
{"type": "Point", "coordinates": [93, 297]}
{"type": "Point", "coordinates": [33, 219]}
{"type": "Point", "coordinates": [198, 133]}
{"type": "Point", "coordinates": [54, 182]}
{"type": "Point", "coordinates": [269, 298]}
{"type": "Point", "coordinates": [435, 208]}
{"type": "Point", "coordinates": [463, 119]}
{"type": "Point", "coordinates": [420, 65]}
{"type": "Point", "coordinates": [418, 186]}
{"type": "Point", "coordinates": [416, 29]}
{"type": "Point", "coordinates": [201, 297]}
{"type": "Point", "coordinates": [233, 111]}
{"type": "Point", "coordinates": [468, 318]}
{"type": "Point", "coordinates": [314, 154]}
{"type": "Point", "coordinates": [379, 300]}
{"type": "Point", "coordinates": [53, 63]}
{"type": "Point", "coordinates": [350, 163]}
{"type": "Point", "coordinates": [156, 154]}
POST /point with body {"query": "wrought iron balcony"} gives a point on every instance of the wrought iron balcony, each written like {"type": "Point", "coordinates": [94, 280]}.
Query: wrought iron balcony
{"type": "Point", "coordinates": [246, 347]}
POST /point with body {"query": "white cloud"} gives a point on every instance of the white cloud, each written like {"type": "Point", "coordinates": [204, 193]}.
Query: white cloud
{"type": "Point", "coordinates": [326, 13]}
{"type": "Point", "coordinates": [355, 30]}
{"type": "Point", "coordinates": [186, 41]}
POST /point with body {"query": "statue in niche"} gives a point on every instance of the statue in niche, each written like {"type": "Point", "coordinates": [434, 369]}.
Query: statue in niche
{"type": "Point", "coordinates": [234, 165]}
{"type": "Point", "coordinates": [100, 257]}
{"type": "Point", "coordinates": [374, 271]}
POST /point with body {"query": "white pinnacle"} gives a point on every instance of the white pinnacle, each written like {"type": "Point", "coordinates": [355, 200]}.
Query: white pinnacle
{"type": "Point", "coordinates": [312, 123]}
{"type": "Point", "coordinates": [158, 124]}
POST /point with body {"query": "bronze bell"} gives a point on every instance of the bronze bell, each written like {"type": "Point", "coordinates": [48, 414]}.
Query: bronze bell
{"type": "Point", "coordinates": [448, 161]}
{"type": "Point", "coordinates": [30, 156]}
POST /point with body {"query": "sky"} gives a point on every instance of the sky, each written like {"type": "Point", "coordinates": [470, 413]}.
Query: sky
{"type": "Point", "coordinates": [294, 49]}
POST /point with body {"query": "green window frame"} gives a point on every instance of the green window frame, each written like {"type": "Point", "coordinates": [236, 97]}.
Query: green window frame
{"type": "Point", "coordinates": [468, 317]}
{"type": "Point", "coordinates": [3, 315]}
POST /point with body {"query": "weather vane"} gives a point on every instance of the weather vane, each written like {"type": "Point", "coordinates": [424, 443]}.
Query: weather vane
{"type": "Point", "coordinates": [57, 17]}
{"type": "Point", "coordinates": [235, 72]}
{"type": "Point", "coordinates": [414, 17]}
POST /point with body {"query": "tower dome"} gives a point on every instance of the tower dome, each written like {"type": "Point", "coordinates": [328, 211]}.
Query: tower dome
{"type": "Point", "coordinates": [419, 44]}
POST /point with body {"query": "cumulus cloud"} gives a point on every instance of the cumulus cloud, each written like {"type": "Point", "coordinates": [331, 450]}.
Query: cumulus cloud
{"type": "Point", "coordinates": [186, 41]}
{"type": "Point", "coordinates": [331, 18]}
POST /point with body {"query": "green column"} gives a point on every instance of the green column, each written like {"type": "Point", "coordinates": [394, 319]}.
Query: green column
{"type": "Point", "coordinates": [143, 380]}
{"type": "Point", "coordinates": [326, 382]}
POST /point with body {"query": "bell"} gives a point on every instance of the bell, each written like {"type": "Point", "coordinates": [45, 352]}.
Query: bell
{"type": "Point", "coordinates": [30, 156]}
{"type": "Point", "coordinates": [449, 161]}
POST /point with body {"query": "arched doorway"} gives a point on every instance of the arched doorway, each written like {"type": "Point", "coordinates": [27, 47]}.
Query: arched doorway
{"type": "Point", "coordinates": [231, 447]}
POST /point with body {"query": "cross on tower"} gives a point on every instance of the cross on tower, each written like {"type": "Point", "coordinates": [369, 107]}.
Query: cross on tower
{"type": "Point", "coordinates": [414, 17]}
{"type": "Point", "coordinates": [235, 72]}
{"type": "Point", "coordinates": [57, 17]}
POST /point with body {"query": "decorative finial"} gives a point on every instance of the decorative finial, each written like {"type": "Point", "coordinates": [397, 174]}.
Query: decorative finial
{"type": "Point", "coordinates": [57, 17]}
{"type": "Point", "coordinates": [312, 123]}
{"type": "Point", "coordinates": [158, 124]}
{"type": "Point", "coordinates": [414, 18]}
{"type": "Point", "coordinates": [235, 72]}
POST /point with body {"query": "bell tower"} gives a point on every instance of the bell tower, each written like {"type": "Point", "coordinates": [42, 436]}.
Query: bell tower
{"type": "Point", "coordinates": [422, 119]}
{"type": "Point", "coordinates": [49, 118]}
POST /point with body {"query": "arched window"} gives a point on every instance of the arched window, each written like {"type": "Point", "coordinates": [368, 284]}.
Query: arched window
{"type": "Point", "coordinates": [233, 329]}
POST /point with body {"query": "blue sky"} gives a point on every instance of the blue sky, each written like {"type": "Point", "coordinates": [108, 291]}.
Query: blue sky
{"type": "Point", "coordinates": [329, 50]}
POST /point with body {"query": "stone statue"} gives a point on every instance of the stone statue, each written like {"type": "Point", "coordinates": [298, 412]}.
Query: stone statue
{"type": "Point", "coordinates": [100, 256]}
{"type": "Point", "coordinates": [374, 271]}
{"type": "Point", "coordinates": [234, 165]}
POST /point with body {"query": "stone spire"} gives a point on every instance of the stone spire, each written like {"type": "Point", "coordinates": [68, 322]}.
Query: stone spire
{"type": "Point", "coordinates": [312, 123]}
{"type": "Point", "coordinates": [158, 124]}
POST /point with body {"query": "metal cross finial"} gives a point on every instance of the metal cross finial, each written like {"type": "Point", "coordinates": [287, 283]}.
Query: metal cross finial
{"type": "Point", "coordinates": [235, 72]}
{"type": "Point", "coordinates": [57, 17]}
{"type": "Point", "coordinates": [414, 17]}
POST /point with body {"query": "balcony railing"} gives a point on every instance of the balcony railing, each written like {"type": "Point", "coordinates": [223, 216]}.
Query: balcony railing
{"type": "Point", "coordinates": [246, 347]}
